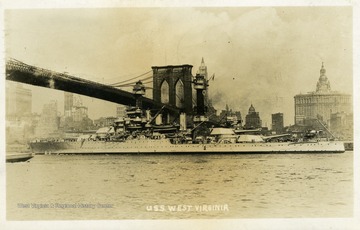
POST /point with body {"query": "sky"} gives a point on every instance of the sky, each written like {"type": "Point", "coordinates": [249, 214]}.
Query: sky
{"type": "Point", "coordinates": [260, 55]}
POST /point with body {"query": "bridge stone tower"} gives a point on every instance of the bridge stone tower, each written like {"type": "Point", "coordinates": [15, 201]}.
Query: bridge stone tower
{"type": "Point", "coordinates": [173, 85]}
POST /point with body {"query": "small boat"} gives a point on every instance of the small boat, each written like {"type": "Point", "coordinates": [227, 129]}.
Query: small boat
{"type": "Point", "coordinates": [18, 157]}
{"type": "Point", "coordinates": [18, 153]}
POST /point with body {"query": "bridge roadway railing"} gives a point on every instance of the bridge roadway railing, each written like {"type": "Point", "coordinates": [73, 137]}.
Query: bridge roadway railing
{"type": "Point", "coordinates": [28, 74]}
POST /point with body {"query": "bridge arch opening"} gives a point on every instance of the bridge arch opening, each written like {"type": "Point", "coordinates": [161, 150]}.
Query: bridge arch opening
{"type": "Point", "coordinates": [165, 96]}
{"type": "Point", "coordinates": [178, 87]}
{"type": "Point", "coordinates": [179, 92]}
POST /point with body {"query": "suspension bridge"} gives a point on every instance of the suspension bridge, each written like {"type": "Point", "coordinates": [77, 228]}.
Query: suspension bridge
{"type": "Point", "coordinates": [28, 74]}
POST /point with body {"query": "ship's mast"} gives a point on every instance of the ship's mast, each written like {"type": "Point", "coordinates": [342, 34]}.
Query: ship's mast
{"type": "Point", "coordinates": [200, 85]}
{"type": "Point", "coordinates": [139, 91]}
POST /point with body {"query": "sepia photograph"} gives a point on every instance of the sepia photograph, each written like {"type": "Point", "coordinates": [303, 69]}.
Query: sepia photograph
{"type": "Point", "coordinates": [139, 114]}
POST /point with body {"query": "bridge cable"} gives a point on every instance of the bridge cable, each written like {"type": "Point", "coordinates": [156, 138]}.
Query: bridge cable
{"type": "Point", "coordinates": [120, 85]}
{"type": "Point", "coordinates": [131, 78]}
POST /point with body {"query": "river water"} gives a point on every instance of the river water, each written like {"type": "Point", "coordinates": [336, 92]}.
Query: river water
{"type": "Point", "coordinates": [84, 187]}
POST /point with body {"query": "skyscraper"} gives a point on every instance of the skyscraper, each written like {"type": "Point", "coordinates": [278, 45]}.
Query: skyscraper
{"type": "Point", "coordinates": [68, 103]}
{"type": "Point", "coordinates": [320, 104]}
{"type": "Point", "coordinates": [73, 107]}
{"type": "Point", "coordinates": [75, 113]}
{"type": "Point", "coordinates": [203, 72]}
{"type": "Point", "coordinates": [277, 124]}
{"type": "Point", "coordinates": [120, 110]}
{"type": "Point", "coordinates": [49, 121]}
{"type": "Point", "coordinates": [18, 100]}
{"type": "Point", "coordinates": [252, 119]}
{"type": "Point", "coordinates": [203, 69]}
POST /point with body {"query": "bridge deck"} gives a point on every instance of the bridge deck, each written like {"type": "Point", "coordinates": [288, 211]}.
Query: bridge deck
{"type": "Point", "coordinates": [24, 73]}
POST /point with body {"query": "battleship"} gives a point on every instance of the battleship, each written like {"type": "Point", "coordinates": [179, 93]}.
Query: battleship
{"type": "Point", "coordinates": [140, 133]}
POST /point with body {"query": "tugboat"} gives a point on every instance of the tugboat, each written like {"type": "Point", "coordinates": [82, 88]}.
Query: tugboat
{"type": "Point", "coordinates": [136, 134]}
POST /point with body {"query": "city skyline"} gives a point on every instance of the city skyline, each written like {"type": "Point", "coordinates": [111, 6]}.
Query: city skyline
{"type": "Point", "coordinates": [266, 66]}
{"type": "Point", "coordinates": [266, 60]}
{"type": "Point", "coordinates": [80, 98]}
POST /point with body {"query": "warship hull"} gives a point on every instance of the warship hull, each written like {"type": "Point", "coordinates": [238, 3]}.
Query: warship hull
{"type": "Point", "coordinates": [149, 146]}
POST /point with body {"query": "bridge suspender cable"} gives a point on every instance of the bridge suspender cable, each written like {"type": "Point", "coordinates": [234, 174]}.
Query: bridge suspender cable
{"type": "Point", "coordinates": [115, 84]}
{"type": "Point", "coordinates": [132, 83]}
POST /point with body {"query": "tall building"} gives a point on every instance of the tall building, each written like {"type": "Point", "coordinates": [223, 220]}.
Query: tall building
{"type": "Point", "coordinates": [320, 104]}
{"type": "Point", "coordinates": [203, 69]}
{"type": "Point", "coordinates": [73, 107]}
{"type": "Point", "coordinates": [68, 104]}
{"type": "Point", "coordinates": [203, 72]}
{"type": "Point", "coordinates": [75, 113]}
{"type": "Point", "coordinates": [277, 122]}
{"type": "Point", "coordinates": [252, 119]}
{"type": "Point", "coordinates": [229, 117]}
{"type": "Point", "coordinates": [342, 125]}
{"type": "Point", "coordinates": [18, 100]}
{"type": "Point", "coordinates": [48, 124]}
{"type": "Point", "coordinates": [79, 113]}
{"type": "Point", "coordinates": [120, 111]}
